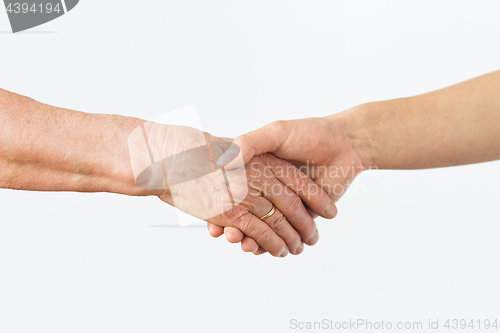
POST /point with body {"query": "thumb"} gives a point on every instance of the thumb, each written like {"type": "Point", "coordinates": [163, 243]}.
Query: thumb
{"type": "Point", "coordinates": [264, 140]}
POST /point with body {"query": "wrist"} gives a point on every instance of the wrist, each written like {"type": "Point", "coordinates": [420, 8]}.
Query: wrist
{"type": "Point", "coordinates": [353, 125]}
{"type": "Point", "coordinates": [125, 157]}
{"type": "Point", "coordinates": [116, 169]}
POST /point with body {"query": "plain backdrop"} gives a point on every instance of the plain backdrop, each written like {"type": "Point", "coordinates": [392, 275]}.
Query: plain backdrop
{"type": "Point", "coordinates": [406, 245]}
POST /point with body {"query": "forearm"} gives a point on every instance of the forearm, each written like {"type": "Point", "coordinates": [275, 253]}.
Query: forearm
{"type": "Point", "coordinates": [45, 148]}
{"type": "Point", "coordinates": [452, 126]}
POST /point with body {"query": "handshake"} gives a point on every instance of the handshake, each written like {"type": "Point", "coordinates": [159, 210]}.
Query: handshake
{"type": "Point", "coordinates": [263, 189]}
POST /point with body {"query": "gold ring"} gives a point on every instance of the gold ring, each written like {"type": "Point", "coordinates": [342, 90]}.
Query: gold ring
{"type": "Point", "coordinates": [268, 215]}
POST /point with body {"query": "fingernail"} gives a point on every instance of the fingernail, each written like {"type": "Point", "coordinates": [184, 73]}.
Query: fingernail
{"type": "Point", "coordinates": [314, 238]}
{"type": "Point", "coordinates": [299, 249]}
{"type": "Point", "coordinates": [227, 157]}
{"type": "Point", "coordinates": [331, 211]}
{"type": "Point", "coordinates": [284, 253]}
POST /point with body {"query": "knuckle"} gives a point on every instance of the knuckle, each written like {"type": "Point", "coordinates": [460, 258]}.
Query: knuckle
{"type": "Point", "coordinates": [232, 216]}
{"type": "Point", "coordinates": [251, 201]}
{"type": "Point", "coordinates": [278, 224]}
{"type": "Point", "coordinates": [257, 178]}
{"type": "Point", "coordinates": [267, 162]}
{"type": "Point", "coordinates": [278, 126]}
{"type": "Point", "coordinates": [289, 169]}
{"type": "Point", "coordinates": [262, 178]}
{"type": "Point", "coordinates": [243, 221]}
{"type": "Point", "coordinates": [294, 204]}
{"type": "Point", "coordinates": [302, 183]}
{"type": "Point", "coordinates": [254, 169]}
{"type": "Point", "coordinates": [264, 237]}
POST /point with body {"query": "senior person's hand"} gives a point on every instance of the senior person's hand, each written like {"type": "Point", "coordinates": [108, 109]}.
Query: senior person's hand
{"type": "Point", "coordinates": [263, 199]}
{"type": "Point", "coordinates": [46, 148]}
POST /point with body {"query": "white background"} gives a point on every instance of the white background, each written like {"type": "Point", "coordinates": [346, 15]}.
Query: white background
{"type": "Point", "coordinates": [406, 245]}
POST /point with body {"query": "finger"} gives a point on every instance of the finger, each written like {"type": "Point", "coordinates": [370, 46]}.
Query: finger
{"type": "Point", "coordinates": [311, 193]}
{"type": "Point", "coordinates": [214, 230]}
{"type": "Point", "coordinates": [260, 251]}
{"type": "Point", "coordinates": [314, 239]}
{"type": "Point", "coordinates": [235, 232]}
{"type": "Point", "coordinates": [249, 245]}
{"type": "Point", "coordinates": [290, 205]}
{"type": "Point", "coordinates": [313, 214]}
{"type": "Point", "coordinates": [263, 140]}
{"type": "Point", "coordinates": [279, 223]}
{"type": "Point", "coordinates": [252, 227]}
{"type": "Point", "coordinates": [233, 235]}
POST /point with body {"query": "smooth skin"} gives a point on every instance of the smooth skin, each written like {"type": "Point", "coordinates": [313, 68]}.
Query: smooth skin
{"type": "Point", "coordinates": [453, 126]}
{"type": "Point", "coordinates": [46, 148]}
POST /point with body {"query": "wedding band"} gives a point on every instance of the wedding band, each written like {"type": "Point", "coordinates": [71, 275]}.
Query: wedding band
{"type": "Point", "coordinates": [268, 215]}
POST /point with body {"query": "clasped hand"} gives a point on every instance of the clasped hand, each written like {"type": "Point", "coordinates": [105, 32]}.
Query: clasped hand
{"type": "Point", "coordinates": [233, 186]}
